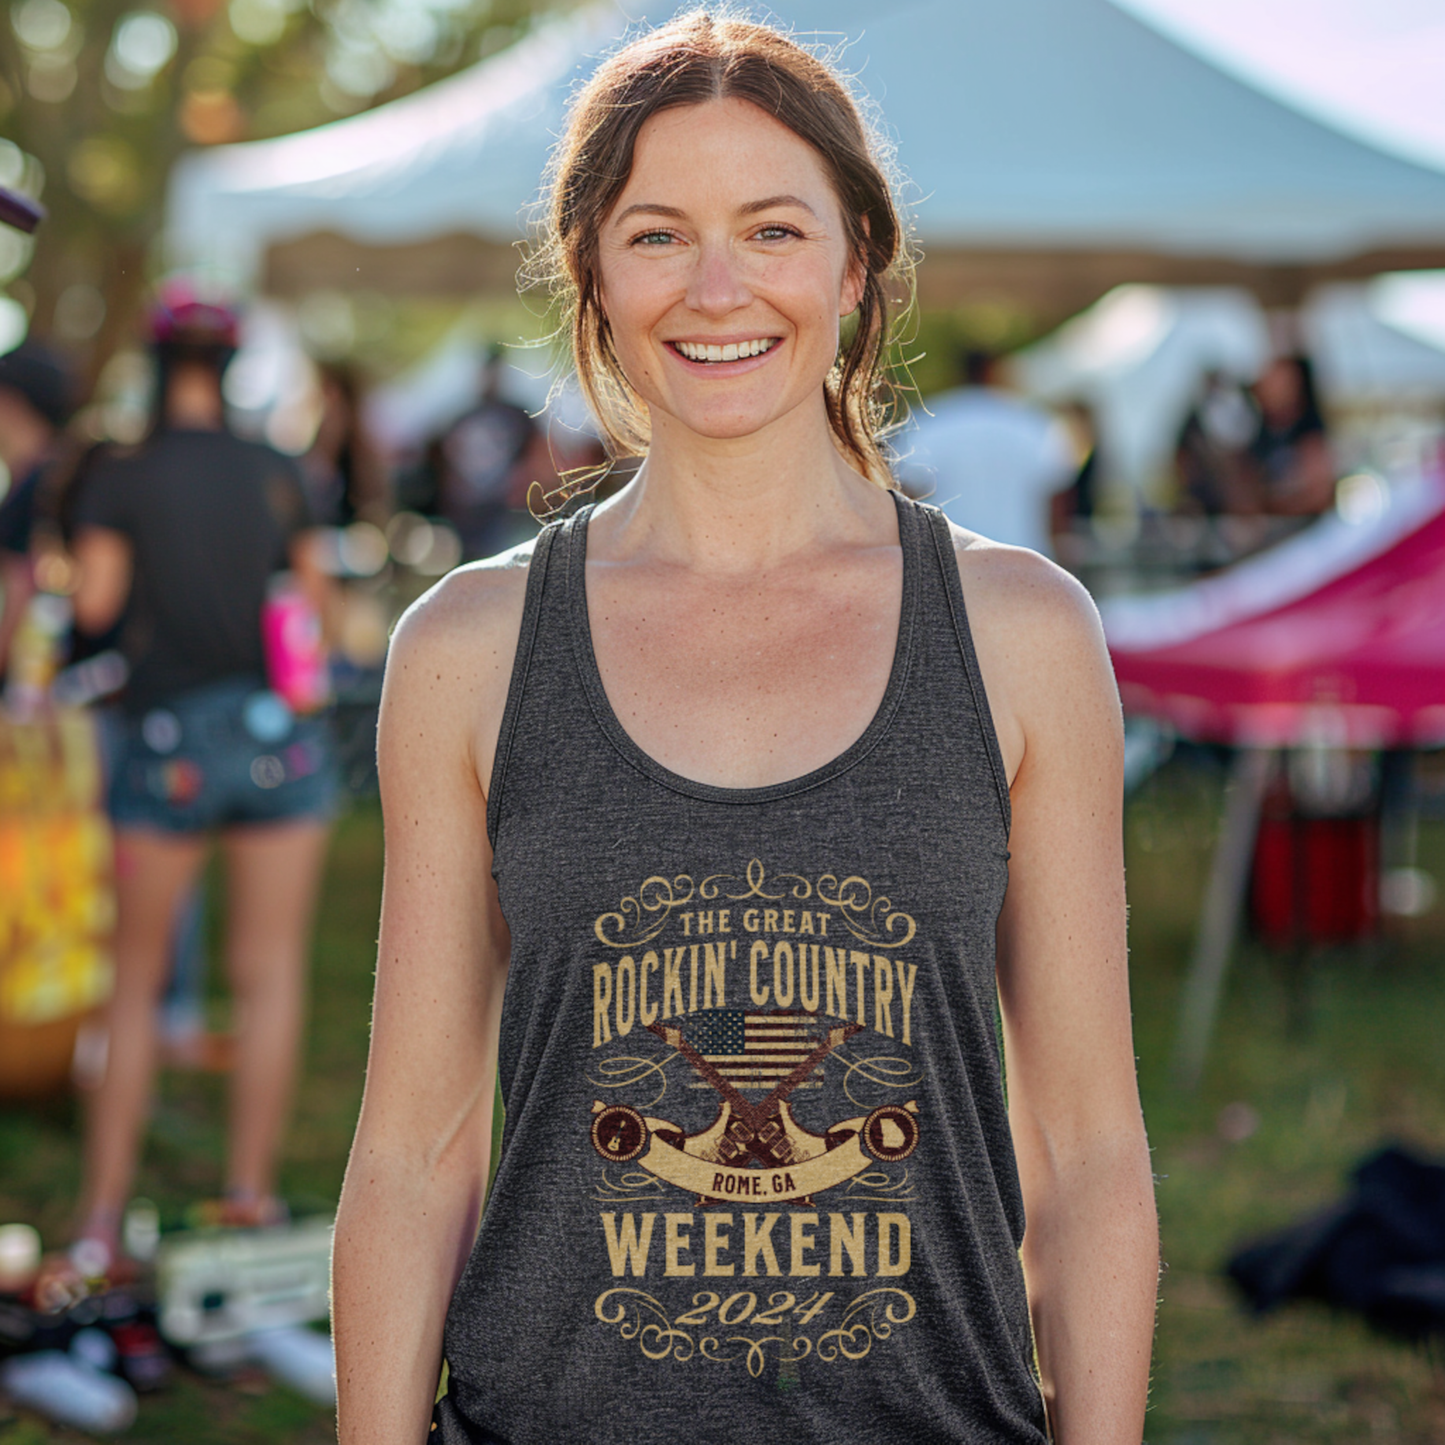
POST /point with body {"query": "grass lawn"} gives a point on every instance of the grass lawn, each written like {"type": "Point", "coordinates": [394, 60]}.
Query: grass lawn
{"type": "Point", "coordinates": [1332, 1058]}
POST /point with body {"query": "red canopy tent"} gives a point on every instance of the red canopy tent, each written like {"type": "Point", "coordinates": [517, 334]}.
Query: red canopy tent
{"type": "Point", "coordinates": [1335, 639]}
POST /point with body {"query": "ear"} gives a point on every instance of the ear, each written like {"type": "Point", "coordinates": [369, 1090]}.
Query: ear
{"type": "Point", "coordinates": [855, 278]}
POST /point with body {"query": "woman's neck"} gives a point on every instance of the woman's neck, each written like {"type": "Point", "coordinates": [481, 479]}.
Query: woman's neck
{"type": "Point", "coordinates": [743, 503]}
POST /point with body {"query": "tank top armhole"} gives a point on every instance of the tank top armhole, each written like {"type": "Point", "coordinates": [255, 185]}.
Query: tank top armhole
{"type": "Point", "coordinates": [521, 666]}
{"type": "Point", "coordinates": [953, 588]}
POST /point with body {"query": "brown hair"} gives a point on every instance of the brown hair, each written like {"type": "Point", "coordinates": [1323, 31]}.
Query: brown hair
{"type": "Point", "coordinates": [695, 58]}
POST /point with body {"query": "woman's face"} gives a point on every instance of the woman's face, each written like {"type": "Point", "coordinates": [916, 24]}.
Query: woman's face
{"type": "Point", "coordinates": [724, 269]}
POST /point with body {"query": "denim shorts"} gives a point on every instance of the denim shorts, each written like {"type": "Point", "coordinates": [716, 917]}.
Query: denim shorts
{"type": "Point", "coordinates": [225, 755]}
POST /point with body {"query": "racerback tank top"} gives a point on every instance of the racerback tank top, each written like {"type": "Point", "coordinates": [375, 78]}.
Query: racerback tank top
{"type": "Point", "coordinates": [756, 1180]}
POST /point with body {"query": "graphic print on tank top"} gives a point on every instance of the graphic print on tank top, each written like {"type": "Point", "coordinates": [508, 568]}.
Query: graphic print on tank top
{"type": "Point", "coordinates": [755, 1116]}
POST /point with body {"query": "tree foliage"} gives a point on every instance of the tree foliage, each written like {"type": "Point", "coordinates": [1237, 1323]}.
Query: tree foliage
{"type": "Point", "coordinates": [99, 97]}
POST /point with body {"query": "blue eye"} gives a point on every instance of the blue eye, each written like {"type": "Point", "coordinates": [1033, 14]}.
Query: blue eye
{"type": "Point", "coordinates": [776, 231]}
{"type": "Point", "coordinates": [652, 238]}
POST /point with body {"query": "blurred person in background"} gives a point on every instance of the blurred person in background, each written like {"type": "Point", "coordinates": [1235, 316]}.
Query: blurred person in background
{"type": "Point", "coordinates": [992, 461]}
{"type": "Point", "coordinates": [183, 534]}
{"type": "Point", "coordinates": [1071, 509]}
{"type": "Point", "coordinates": [36, 396]}
{"type": "Point", "coordinates": [346, 480]}
{"type": "Point", "coordinates": [484, 464]}
{"type": "Point", "coordinates": [1289, 456]}
{"type": "Point", "coordinates": [1210, 457]}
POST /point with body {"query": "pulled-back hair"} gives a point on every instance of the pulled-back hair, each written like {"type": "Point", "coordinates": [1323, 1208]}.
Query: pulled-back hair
{"type": "Point", "coordinates": [695, 58]}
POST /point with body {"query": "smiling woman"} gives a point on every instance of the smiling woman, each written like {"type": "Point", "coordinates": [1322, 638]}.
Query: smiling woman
{"type": "Point", "coordinates": [767, 79]}
{"type": "Point", "coordinates": [719, 826]}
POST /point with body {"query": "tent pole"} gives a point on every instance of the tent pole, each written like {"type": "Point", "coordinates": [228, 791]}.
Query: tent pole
{"type": "Point", "coordinates": [1223, 902]}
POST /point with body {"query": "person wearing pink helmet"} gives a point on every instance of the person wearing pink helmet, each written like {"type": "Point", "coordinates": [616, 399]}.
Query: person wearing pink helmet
{"type": "Point", "coordinates": [178, 538]}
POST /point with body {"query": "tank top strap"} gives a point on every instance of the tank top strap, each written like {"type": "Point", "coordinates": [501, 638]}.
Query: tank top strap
{"type": "Point", "coordinates": [946, 577]}
{"type": "Point", "coordinates": [521, 668]}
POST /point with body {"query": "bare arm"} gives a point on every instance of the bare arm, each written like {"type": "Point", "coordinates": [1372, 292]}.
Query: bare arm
{"type": "Point", "coordinates": [1090, 1249]}
{"type": "Point", "coordinates": [417, 1174]}
{"type": "Point", "coordinates": [17, 586]}
{"type": "Point", "coordinates": [105, 561]}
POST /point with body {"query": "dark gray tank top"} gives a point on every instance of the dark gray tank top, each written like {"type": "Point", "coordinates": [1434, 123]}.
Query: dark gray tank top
{"type": "Point", "coordinates": [756, 1181]}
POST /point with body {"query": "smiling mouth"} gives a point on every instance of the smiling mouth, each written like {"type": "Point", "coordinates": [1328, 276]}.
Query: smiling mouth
{"type": "Point", "coordinates": [733, 351]}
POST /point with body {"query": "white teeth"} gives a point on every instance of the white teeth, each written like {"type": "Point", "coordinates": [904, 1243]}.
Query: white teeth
{"type": "Point", "coordinates": [733, 351]}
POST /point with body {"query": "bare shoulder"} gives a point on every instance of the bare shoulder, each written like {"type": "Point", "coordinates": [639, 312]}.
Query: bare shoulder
{"type": "Point", "coordinates": [471, 613]}
{"type": "Point", "coordinates": [1039, 642]}
{"type": "Point", "coordinates": [450, 660]}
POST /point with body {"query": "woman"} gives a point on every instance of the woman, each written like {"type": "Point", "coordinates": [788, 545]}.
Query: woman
{"type": "Point", "coordinates": [1289, 456]}
{"type": "Point", "coordinates": [708, 782]}
{"type": "Point", "coordinates": [181, 537]}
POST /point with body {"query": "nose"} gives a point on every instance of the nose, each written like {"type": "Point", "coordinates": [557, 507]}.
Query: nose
{"type": "Point", "coordinates": [717, 285]}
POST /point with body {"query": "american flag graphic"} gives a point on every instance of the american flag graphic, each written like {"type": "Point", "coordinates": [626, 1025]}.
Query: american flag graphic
{"type": "Point", "coordinates": [753, 1050]}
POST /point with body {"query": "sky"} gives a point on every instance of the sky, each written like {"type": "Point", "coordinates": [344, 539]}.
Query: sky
{"type": "Point", "coordinates": [1375, 68]}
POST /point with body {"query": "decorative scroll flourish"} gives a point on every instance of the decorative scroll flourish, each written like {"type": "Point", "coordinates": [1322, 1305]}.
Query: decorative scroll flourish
{"type": "Point", "coordinates": [794, 885]}
{"type": "Point", "coordinates": [640, 917]}
{"type": "Point", "coordinates": [634, 1184]}
{"type": "Point", "coordinates": [887, 1071]}
{"type": "Point", "coordinates": [872, 1316]}
{"type": "Point", "coordinates": [879, 1187]}
{"type": "Point", "coordinates": [789, 1351]}
{"type": "Point", "coordinates": [641, 1318]}
{"type": "Point", "coordinates": [638, 1316]}
{"type": "Point", "coordinates": [873, 920]}
{"type": "Point", "coordinates": [625, 1070]}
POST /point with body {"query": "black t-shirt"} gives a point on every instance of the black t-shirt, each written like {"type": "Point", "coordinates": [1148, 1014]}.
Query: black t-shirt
{"type": "Point", "coordinates": [17, 512]}
{"type": "Point", "coordinates": [209, 518]}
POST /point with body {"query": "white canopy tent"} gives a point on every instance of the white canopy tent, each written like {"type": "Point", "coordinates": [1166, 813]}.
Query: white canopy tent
{"type": "Point", "coordinates": [1056, 127]}
{"type": "Point", "coordinates": [1139, 354]}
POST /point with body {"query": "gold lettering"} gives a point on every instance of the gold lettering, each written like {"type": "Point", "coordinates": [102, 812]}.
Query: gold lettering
{"type": "Point", "coordinates": [626, 1246]}
{"type": "Point", "coordinates": [723, 926]}
{"type": "Point", "coordinates": [788, 921]}
{"type": "Point", "coordinates": [686, 924]}
{"type": "Point", "coordinates": [890, 1264]}
{"type": "Point", "coordinates": [676, 1240]}
{"type": "Point", "coordinates": [672, 982]}
{"type": "Point", "coordinates": [806, 996]}
{"type": "Point", "coordinates": [823, 924]}
{"type": "Point", "coordinates": [750, 919]}
{"type": "Point", "coordinates": [781, 954]}
{"type": "Point", "coordinates": [692, 992]}
{"type": "Point", "coordinates": [805, 923]}
{"type": "Point", "coordinates": [770, 920]}
{"type": "Point", "coordinates": [860, 967]}
{"type": "Point", "coordinates": [715, 964]}
{"type": "Point", "coordinates": [882, 995]}
{"type": "Point", "coordinates": [704, 922]}
{"type": "Point", "coordinates": [905, 992]}
{"type": "Point", "coordinates": [836, 966]}
{"type": "Point", "coordinates": [715, 1242]}
{"type": "Point", "coordinates": [601, 1002]}
{"type": "Point", "coordinates": [647, 1012]}
{"type": "Point", "coordinates": [841, 1237]}
{"type": "Point", "coordinates": [759, 992]}
{"type": "Point", "coordinates": [802, 1241]}
{"type": "Point", "coordinates": [757, 1242]}
{"type": "Point", "coordinates": [627, 970]}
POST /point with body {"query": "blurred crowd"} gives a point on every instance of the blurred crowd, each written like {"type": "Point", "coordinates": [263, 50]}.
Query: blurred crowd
{"type": "Point", "coordinates": [1020, 472]}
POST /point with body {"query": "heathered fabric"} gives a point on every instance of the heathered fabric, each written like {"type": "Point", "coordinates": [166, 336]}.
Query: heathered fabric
{"type": "Point", "coordinates": [789, 1209]}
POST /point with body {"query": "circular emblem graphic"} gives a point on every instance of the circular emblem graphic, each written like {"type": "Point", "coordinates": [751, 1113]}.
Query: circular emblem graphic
{"type": "Point", "coordinates": [618, 1133]}
{"type": "Point", "coordinates": [890, 1133]}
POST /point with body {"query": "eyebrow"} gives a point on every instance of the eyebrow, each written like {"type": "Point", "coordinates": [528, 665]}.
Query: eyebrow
{"type": "Point", "coordinates": [752, 208]}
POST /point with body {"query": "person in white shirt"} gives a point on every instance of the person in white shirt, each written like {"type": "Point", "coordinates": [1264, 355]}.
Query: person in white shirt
{"type": "Point", "coordinates": [990, 459]}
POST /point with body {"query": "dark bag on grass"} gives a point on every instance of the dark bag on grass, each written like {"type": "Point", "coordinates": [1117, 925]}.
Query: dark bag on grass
{"type": "Point", "coordinates": [1380, 1251]}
